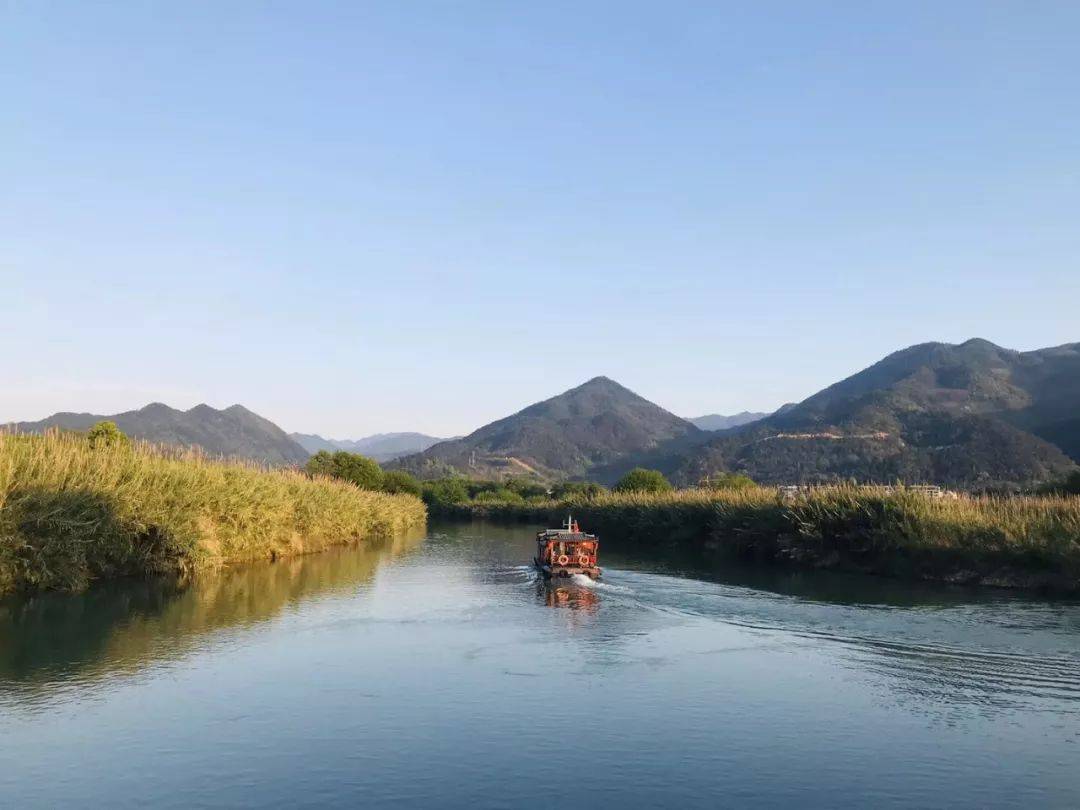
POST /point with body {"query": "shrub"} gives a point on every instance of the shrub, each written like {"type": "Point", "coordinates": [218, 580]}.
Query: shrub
{"type": "Point", "coordinates": [445, 491]}
{"type": "Point", "coordinates": [526, 488]}
{"type": "Point", "coordinates": [1071, 485]}
{"type": "Point", "coordinates": [576, 489]}
{"type": "Point", "coordinates": [351, 467]}
{"type": "Point", "coordinates": [106, 434]}
{"type": "Point", "coordinates": [641, 480]}
{"type": "Point", "coordinates": [501, 495]}
{"type": "Point", "coordinates": [728, 480]}
{"type": "Point", "coordinates": [397, 482]}
{"type": "Point", "coordinates": [475, 486]}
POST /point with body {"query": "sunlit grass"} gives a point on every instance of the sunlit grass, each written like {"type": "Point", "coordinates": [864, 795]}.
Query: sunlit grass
{"type": "Point", "coordinates": [898, 531]}
{"type": "Point", "coordinates": [70, 512]}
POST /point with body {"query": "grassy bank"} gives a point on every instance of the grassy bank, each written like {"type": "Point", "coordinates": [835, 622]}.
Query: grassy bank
{"type": "Point", "coordinates": [71, 512]}
{"type": "Point", "coordinates": [1030, 542]}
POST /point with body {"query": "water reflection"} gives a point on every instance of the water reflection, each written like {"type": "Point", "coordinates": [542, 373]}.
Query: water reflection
{"type": "Point", "coordinates": [122, 626]}
{"type": "Point", "coordinates": [936, 646]}
{"type": "Point", "coordinates": [570, 596]}
{"type": "Point", "coordinates": [346, 679]}
{"type": "Point", "coordinates": [943, 651]}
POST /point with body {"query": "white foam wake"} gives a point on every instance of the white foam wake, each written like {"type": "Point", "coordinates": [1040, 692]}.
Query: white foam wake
{"type": "Point", "coordinates": [589, 582]}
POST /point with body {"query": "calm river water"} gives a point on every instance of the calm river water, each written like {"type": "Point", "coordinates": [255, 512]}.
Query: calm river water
{"type": "Point", "coordinates": [439, 672]}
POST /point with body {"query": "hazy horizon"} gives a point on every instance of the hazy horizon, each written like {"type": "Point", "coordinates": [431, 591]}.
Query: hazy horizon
{"type": "Point", "coordinates": [464, 431]}
{"type": "Point", "coordinates": [363, 219]}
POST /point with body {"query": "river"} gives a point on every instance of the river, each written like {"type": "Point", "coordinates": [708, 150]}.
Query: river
{"type": "Point", "coordinates": [437, 671]}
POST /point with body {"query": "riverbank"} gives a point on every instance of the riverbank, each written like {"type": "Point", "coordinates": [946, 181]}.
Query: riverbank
{"type": "Point", "coordinates": [1015, 542]}
{"type": "Point", "coordinates": [71, 513]}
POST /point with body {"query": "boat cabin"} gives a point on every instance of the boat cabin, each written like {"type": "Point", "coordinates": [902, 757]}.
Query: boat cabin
{"type": "Point", "coordinates": [567, 551]}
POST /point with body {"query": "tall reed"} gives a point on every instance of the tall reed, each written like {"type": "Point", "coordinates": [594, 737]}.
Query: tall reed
{"type": "Point", "coordinates": [1029, 541]}
{"type": "Point", "coordinates": [71, 512]}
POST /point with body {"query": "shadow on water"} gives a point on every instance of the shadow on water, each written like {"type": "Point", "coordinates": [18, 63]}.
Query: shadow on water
{"type": "Point", "coordinates": [935, 645]}
{"type": "Point", "coordinates": [838, 587]}
{"type": "Point", "coordinates": [124, 625]}
{"type": "Point", "coordinates": [514, 544]}
{"type": "Point", "coordinates": [941, 649]}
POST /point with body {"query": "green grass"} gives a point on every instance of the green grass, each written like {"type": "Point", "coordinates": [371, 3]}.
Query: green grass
{"type": "Point", "coordinates": [71, 512]}
{"type": "Point", "coordinates": [1031, 541]}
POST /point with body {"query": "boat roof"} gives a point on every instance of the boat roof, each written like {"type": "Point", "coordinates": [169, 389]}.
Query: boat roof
{"type": "Point", "coordinates": [563, 534]}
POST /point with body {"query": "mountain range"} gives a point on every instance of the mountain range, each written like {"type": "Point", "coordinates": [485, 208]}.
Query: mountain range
{"type": "Point", "coordinates": [967, 415]}
{"type": "Point", "coordinates": [972, 415]}
{"type": "Point", "coordinates": [716, 421]}
{"type": "Point", "coordinates": [234, 432]}
{"type": "Point", "coordinates": [381, 447]}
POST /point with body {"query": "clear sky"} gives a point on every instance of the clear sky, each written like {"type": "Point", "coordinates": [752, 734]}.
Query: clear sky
{"type": "Point", "coordinates": [357, 217]}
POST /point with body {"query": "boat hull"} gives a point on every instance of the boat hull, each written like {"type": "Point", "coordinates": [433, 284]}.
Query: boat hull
{"type": "Point", "coordinates": [566, 571]}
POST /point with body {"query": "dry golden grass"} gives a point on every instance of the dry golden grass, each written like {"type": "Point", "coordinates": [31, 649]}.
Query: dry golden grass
{"type": "Point", "coordinates": [906, 532]}
{"type": "Point", "coordinates": [70, 512]}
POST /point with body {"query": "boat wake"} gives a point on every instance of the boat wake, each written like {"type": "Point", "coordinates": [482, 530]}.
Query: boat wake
{"type": "Point", "coordinates": [588, 582]}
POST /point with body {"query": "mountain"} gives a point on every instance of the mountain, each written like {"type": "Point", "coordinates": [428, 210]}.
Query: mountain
{"type": "Point", "coordinates": [313, 443]}
{"type": "Point", "coordinates": [967, 415]}
{"type": "Point", "coordinates": [234, 432]}
{"type": "Point", "coordinates": [716, 421]}
{"type": "Point", "coordinates": [584, 429]}
{"type": "Point", "coordinates": [388, 446]}
{"type": "Point", "coordinates": [381, 447]}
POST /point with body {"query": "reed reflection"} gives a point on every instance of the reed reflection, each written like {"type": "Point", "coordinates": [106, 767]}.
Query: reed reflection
{"type": "Point", "coordinates": [124, 626]}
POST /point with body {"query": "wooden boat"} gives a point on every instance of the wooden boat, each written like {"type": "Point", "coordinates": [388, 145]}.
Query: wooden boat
{"type": "Point", "coordinates": [566, 552]}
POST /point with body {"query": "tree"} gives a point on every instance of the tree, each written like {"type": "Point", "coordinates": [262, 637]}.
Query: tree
{"type": "Point", "coordinates": [399, 482]}
{"type": "Point", "coordinates": [1072, 484]}
{"type": "Point", "coordinates": [641, 480]}
{"type": "Point", "coordinates": [576, 489]}
{"type": "Point", "coordinates": [322, 463]}
{"type": "Point", "coordinates": [475, 486]}
{"type": "Point", "coordinates": [526, 488]}
{"type": "Point", "coordinates": [1069, 486]}
{"type": "Point", "coordinates": [728, 480]}
{"type": "Point", "coordinates": [500, 495]}
{"type": "Point", "coordinates": [106, 434]}
{"type": "Point", "coordinates": [351, 467]}
{"type": "Point", "coordinates": [445, 491]}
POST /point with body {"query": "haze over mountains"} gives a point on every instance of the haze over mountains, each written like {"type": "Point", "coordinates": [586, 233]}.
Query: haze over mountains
{"type": "Point", "coordinates": [716, 421]}
{"type": "Point", "coordinates": [234, 431]}
{"type": "Point", "coordinates": [381, 447]}
{"type": "Point", "coordinates": [970, 415]}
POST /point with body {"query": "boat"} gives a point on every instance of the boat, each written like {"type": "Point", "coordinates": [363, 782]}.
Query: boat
{"type": "Point", "coordinates": [567, 551]}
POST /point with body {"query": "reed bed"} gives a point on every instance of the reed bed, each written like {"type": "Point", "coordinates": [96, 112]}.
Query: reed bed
{"type": "Point", "coordinates": [71, 512]}
{"type": "Point", "coordinates": [1028, 541]}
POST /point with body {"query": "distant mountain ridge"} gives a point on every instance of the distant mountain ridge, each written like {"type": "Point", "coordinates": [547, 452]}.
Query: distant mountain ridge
{"type": "Point", "coordinates": [380, 446]}
{"type": "Point", "coordinates": [233, 432]}
{"type": "Point", "coordinates": [966, 415]}
{"type": "Point", "coordinates": [972, 415]}
{"type": "Point", "coordinates": [716, 421]}
{"type": "Point", "coordinates": [586, 428]}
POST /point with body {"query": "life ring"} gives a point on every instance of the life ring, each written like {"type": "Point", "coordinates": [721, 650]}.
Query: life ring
{"type": "Point", "coordinates": [583, 560]}
{"type": "Point", "coordinates": [563, 559]}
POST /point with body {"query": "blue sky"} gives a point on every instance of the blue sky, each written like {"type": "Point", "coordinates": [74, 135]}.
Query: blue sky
{"type": "Point", "coordinates": [362, 217]}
